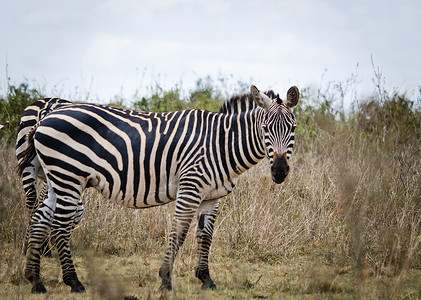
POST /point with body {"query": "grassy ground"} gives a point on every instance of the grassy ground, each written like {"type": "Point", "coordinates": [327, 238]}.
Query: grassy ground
{"type": "Point", "coordinates": [116, 277]}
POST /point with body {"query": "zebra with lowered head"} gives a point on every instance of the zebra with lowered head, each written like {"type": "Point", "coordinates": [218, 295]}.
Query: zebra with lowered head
{"type": "Point", "coordinates": [31, 173]}
{"type": "Point", "coordinates": [142, 159]}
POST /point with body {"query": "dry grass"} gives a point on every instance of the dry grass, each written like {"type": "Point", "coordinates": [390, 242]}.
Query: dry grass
{"type": "Point", "coordinates": [345, 224]}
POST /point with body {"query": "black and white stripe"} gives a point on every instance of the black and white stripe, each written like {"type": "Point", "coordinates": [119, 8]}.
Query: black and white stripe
{"type": "Point", "coordinates": [141, 159]}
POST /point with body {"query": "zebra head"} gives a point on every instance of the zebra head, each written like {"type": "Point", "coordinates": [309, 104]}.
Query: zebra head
{"type": "Point", "coordinates": [278, 127]}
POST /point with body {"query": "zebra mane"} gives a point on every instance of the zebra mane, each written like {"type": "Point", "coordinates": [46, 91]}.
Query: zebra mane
{"type": "Point", "coordinates": [241, 103]}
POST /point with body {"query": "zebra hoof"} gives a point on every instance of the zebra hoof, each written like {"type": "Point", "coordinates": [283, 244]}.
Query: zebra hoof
{"type": "Point", "coordinates": [39, 288]}
{"type": "Point", "coordinates": [165, 274]}
{"type": "Point", "coordinates": [209, 285]}
{"type": "Point", "coordinates": [78, 288]}
{"type": "Point", "coordinates": [207, 281]}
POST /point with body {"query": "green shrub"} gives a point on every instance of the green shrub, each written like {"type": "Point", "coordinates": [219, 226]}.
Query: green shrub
{"type": "Point", "coordinates": [205, 96]}
{"type": "Point", "coordinates": [11, 108]}
{"type": "Point", "coordinates": [395, 120]}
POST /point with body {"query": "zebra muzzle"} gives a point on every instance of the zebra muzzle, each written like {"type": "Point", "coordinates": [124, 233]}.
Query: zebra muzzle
{"type": "Point", "coordinates": [279, 168]}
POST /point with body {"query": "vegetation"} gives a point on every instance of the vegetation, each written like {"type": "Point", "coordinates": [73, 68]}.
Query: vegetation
{"type": "Point", "coordinates": [12, 106]}
{"type": "Point", "coordinates": [345, 224]}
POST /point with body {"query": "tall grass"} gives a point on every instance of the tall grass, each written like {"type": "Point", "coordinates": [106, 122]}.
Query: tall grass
{"type": "Point", "coordinates": [352, 199]}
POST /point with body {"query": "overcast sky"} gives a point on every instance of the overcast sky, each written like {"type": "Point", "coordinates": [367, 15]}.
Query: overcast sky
{"type": "Point", "coordinates": [114, 47]}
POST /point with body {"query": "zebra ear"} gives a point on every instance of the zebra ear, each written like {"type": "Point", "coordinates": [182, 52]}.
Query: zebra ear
{"type": "Point", "coordinates": [293, 95]}
{"type": "Point", "coordinates": [260, 98]}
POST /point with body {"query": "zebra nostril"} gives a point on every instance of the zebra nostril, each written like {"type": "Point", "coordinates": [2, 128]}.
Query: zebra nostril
{"type": "Point", "coordinates": [279, 169]}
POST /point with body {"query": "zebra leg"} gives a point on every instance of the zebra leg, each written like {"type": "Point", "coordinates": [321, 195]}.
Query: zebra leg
{"type": "Point", "coordinates": [29, 179]}
{"type": "Point", "coordinates": [186, 206]}
{"type": "Point", "coordinates": [205, 223]}
{"type": "Point", "coordinates": [39, 228]}
{"type": "Point", "coordinates": [62, 228]}
{"type": "Point", "coordinates": [79, 213]}
{"type": "Point", "coordinates": [77, 218]}
{"type": "Point", "coordinates": [45, 248]}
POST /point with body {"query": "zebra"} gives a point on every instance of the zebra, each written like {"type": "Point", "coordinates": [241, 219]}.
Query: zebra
{"type": "Point", "coordinates": [145, 159]}
{"type": "Point", "coordinates": [30, 117]}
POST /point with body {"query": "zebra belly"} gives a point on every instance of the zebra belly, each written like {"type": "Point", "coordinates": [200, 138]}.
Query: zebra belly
{"type": "Point", "coordinates": [158, 195]}
{"type": "Point", "coordinates": [146, 196]}
{"type": "Point", "coordinates": [220, 192]}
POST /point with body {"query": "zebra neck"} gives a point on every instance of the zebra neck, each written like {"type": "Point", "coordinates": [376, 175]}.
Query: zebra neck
{"type": "Point", "coordinates": [244, 146]}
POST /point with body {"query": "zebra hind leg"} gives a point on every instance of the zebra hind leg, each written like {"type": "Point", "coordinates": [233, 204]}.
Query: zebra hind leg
{"type": "Point", "coordinates": [67, 217]}
{"type": "Point", "coordinates": [48, 242]}
{"type": "Point", "coordinates": [46, 247]}
{"type": "Point", "coordinates": [76, 221]}
{"type": "Point", "coordinates": [205, 224]}
{"type": "Point", "coordinates": [39, 228]}
{"type": "Point", "coordinates": [32, 204]}
{"type": "Point", "coordinates": [29, 180]}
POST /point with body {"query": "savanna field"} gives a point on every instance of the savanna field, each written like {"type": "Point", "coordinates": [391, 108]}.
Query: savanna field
{"type": "Point", "coordinates": [346, 224]}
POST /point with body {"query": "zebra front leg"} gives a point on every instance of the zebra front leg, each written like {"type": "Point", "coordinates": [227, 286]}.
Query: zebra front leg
{"type": "Point", "coordinates": [205, 223]}
{"type": "Point", "coordinates": [66, 218]}
{"type": "Point", "coordinates": [186, 207]}
{"type": "Point", "coordinates": [39, 228]}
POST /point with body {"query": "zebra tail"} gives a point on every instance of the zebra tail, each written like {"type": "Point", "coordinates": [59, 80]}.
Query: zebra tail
{"type": "Point", "coordinates": [29, 153]}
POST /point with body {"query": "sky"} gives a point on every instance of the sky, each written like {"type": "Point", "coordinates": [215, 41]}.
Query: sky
{"type": "Point", "coordinates": [99, 49]}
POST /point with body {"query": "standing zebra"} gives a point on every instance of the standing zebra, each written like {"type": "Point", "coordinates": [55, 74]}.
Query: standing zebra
{"type": "Point", "coordinates": [30, 117]}
{"type": "Point", "coordinates": [141, 159]}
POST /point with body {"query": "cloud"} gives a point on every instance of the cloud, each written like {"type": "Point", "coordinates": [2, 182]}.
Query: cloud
{"type": "Point", "coordinates": [44, 16]}
{"type": "Point", "coordinates": [137, 9]}
{"type": "Point", "coordinates": [107, 50]}
{"type": "Point", "coordinates": [216, 6]}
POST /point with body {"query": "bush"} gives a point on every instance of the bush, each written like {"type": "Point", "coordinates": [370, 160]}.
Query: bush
{"type": "Point", "coordinates": [11, 108]}
{"type": "Point", "coordinates": [204, 96]}
{"type": "Point", "coordinates": [393, 120]}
